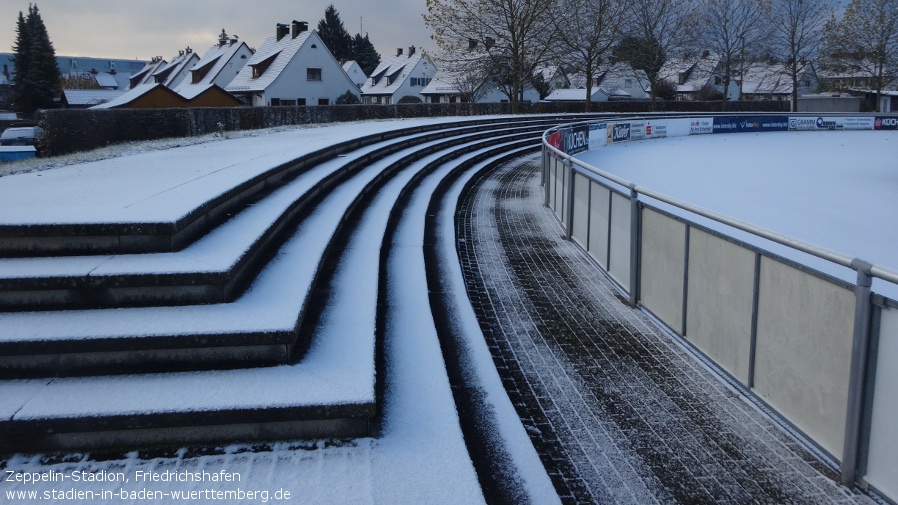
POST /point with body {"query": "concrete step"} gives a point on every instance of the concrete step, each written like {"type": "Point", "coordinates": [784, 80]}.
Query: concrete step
{"type": "Point", "coordinates": [216, 268]}
{"type": "Point", "coordinates": [331, 393]}
{"type": "Point", "coordinates": [262, 327]}
{"type": "Point", "coordinates": [159, 206]}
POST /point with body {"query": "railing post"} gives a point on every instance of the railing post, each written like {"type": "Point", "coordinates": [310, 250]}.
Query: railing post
{"type": "Point", "coordinates": [570, 200]}
{"type": "Point", "coordinates": [859, 354]}
{"type": "Point", "coordinates": [634, 245]}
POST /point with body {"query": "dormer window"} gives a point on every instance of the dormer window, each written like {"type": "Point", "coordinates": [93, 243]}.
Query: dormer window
{"type": "Point", "coordinates": [260, 67]}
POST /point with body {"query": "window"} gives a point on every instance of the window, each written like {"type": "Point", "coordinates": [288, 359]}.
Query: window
{"type": "Point", "coordinates": [323, 101]}
{"type": "Point", "coordinates": [275, 102]}
{"type": "Point", "coordinates": [260, 67]}
{"type": "Point", "coordinates": [313, 74]}
{"type": "Point", "coordinates": [290, 103]}
{"type": "Point", "coordinates": [300, 101]}
{"type": "Point", "coordinates": [419, 81]}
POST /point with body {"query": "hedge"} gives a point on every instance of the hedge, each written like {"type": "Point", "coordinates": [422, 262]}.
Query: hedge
{"type": "Point", "coordinates": [73, 130]}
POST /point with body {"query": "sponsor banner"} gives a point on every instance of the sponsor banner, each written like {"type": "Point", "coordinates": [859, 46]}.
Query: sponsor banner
{"type": "Point", "coordinates": [555, 140]}
{"type": "Point", "coordinates": [596, 135]}
{"type": "Point", "coordinates": [618, 132]}
{"type": "Point", "coordinates": [576, 140]}
{"type": "Point", "coordinates": [885, 123]}
{"type": "Point", "coordinates": [656, 129]}
{"type": "Point", "coordinates": [742, 124]}
{"type": "Point", "coordinates": [637, 130]}
{"type": "Point", "coordinates": [701, 126]}
{"type": "Point", "coordinates": [831, 123]}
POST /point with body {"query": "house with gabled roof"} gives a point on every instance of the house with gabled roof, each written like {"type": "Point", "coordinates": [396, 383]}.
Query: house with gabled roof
{"type": "Point", "coordinates": [447, 87]}
{"type": "Point", "coordinates": [171, 74]}
{"type": "Point", "coordinates": [145, 75]}
{"type": "Point", "coordinates": [772, 81]}
{"type": "Point", "coordinates": [697, 76]}
{"type": "Point", "coordinates": [355, 72]}
{"type": "Point", "coordinates": [399, 77]}
{"type": "Point", "coordinates": [214, 71]}
{"type": "Point", "coordinates": [292, 68]}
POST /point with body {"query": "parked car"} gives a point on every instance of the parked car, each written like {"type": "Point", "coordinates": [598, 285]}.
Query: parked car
{"type": "Point", "coordinates": [19, 136]}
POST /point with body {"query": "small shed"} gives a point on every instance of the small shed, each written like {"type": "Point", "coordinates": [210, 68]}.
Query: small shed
{"type": "Point", "coordinates": [208, 95]}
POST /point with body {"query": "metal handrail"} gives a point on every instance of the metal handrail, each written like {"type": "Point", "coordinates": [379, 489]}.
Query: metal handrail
{"type": "Point", "coordinates": [819, 252]}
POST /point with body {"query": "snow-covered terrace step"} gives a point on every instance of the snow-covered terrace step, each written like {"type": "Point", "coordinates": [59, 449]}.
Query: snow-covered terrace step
{"type": "Point", "coordinates": [213, 269]}
{"type": "Point", "coordinates": [331, 393]}
{"type": "Point", "coordinates": [162, 201]}
{"type": "Point", "coordinates": [261, 327]}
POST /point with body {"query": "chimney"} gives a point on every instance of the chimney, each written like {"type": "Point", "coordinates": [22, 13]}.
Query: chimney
{"type": "Point", "coordinates": [234, 40]}
{"type": "Point", "coordinates": [398, 51]}
{"type": "Point", "coordinates": [472, 44]}
{"type": "Point", "coordinates": [282, 30]}
{"type": "Point", "coordinates": [706, 54]}
{"type": "Point", "coordinates": [411, 51]}
{"type": "Point", "coordinates": [299, 27]}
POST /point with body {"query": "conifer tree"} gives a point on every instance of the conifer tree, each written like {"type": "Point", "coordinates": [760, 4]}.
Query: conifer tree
{"type": "Point", "coordinates": [334, 35]}
{"type": "Point", "coordinates": [37, 79]}
{"type": "Point", "coordinates": [364, 54]}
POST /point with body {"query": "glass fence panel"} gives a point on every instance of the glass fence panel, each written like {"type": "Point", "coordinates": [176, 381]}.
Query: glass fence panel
{"type": "Point", "coordinates": [662, 267]}
{"type": "Point", "coordinates": [882, 469]}
{"type": "Point", "coordinates": [619, 261]}
{"type": "Point", "coordinates": [599, 219]}
{"type": "Point", "coordinates": [720, 297]}
{"type": "Point", "coordinates": [803, 354]}
{"type": "Point", "coordinates": [580, 230]}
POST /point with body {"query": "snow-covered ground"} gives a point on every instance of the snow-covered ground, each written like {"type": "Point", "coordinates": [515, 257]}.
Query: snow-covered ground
{"type": "Point", "coordinates": [835, 190]}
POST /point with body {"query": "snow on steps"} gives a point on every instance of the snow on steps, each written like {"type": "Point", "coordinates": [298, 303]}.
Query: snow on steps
{"type": "Point", "coordinates": [329, 393]}
{"type": "Point", "coordinates": [262, 327]}
{"type": "Point", "coordinates": [161, 206]}
{"type": "Point", "coordinates": [215, 268]}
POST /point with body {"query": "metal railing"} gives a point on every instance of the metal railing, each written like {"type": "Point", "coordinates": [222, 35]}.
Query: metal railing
{"type": "Point", "coordinates": [797, 339]}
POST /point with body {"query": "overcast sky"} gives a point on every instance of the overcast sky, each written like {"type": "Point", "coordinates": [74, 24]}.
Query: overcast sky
{"type": "Point", "coordinates": [141, 29]}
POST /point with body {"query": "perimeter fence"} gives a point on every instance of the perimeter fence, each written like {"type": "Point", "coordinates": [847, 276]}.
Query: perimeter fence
{"type": "Point", "coordinates": [817, 349]}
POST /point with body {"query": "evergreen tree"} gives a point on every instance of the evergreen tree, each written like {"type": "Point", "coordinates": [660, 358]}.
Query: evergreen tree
{"type": "Point", "coordinates": [364, 54]}
{"type": "Point", "coordinates": [334, 35]}
{"type": "Point", "coordinates": [37, 80]}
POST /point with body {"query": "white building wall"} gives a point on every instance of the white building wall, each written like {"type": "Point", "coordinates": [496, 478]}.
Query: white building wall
{"type": "Point", "coordinates": [293, 84]}
{"type": "Point", "coordinates": [233, 67]}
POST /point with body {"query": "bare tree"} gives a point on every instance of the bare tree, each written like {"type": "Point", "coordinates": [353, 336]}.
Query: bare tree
{"type": "Point", "coordinates": [511, 38]}
{"type": "Point", "coordinates": [797, 32]}
{"type": "Point", "coordinates": [656, 30]}
{"type": "Point", "coordinates": [585, 39]}
{"type": "Point", "coordinates": [865, 39]}
{"type": "Point", "coordinates": [735, 29]}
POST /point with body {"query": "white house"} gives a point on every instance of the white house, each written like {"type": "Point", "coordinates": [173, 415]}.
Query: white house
{"type": "Point", "coordinates": [174, 72]}
{"type": "Point", "coordinates": [577, 95]}
{"type": "Point", "coordinates": [445, 87]}
{"type": "Point", "coordinates": [221, 63]}
{"type": "Point", "coordinates": [773, 82]}
{"type": "Point", "coordinates": [355, 72]}
{"type": "Point", "coordinates": [145, 75]}
{"type": "Point", "coordinates": [697, 76]}
{"type": "Point", "coordinates": [292, 68]}
{"type": "Point", "coordinates": [398, 77]}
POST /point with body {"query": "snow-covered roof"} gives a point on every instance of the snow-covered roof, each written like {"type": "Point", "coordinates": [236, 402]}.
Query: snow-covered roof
{"type": "Point", "coordinates": [168, 73]}
{"type": "Point", "coordinates": [576, 95]}
{"type": "Point", "coordinates": [388, 77]}
{"type": "Point", "coordinates": [271, 59]}
{"type": "Point", "coordinates": [145, 75]}
{"type": "Point", "coordinates": [130, 95]}
{"type": "Point", "coordinates": [86, 97]}
{"type": "Point", "coordinates": [216, 60]}
{"type": "Point", "coordinates": [443, 83]}
{"type": "Point", "coordinates": [106, 80]}
{"type": "Point", "coordinates": [191, 91]}
{"type": "Point", "coordinates": [770, 79]}
{"type": "Point", "coordinates": [355, 72]}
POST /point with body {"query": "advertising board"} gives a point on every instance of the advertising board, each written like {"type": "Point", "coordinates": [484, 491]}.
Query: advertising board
{"type": "Point", "coordinates": [596, 135]}
{"type": "Point", "coordinates": [811, 123]}
{"type": "Point", "coordinates": [885, 123]}
{"type": "Point", "coordinates": [618, 132]}
{"type": "Point", "coordinates": [743, 124]}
